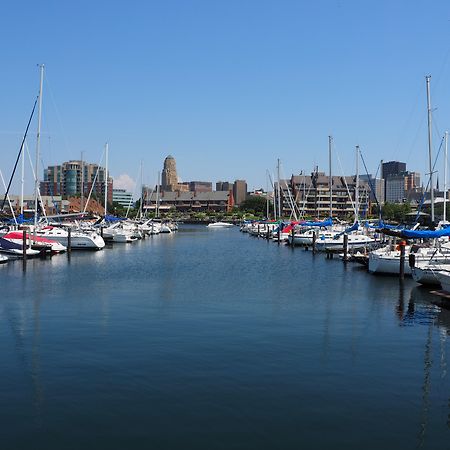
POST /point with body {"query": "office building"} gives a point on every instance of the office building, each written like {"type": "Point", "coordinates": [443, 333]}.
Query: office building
{"type": "Point", "coordinates": [239, 191]}
{"type": "Point", "coordinates": [74, 178]}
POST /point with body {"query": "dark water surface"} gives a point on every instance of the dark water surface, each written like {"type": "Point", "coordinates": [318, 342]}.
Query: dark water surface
{"type": "Point", "coordinates": [210, 339]}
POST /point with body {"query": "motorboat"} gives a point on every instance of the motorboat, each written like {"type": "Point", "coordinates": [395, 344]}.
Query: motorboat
{"type": "Point", "coordinates": [16, 249]}
{"type": "Point", "coordinates": [220, 225]}
{"type": "Point", "coordinates": [89, 240]}
{"type": "Point", "coordinates": [35, 241]}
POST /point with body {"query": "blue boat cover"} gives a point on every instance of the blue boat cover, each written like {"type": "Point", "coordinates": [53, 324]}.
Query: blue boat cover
{"type": "Point", "coordinates": [426, 234]}
{"type": "Point", "coordinates": [325, 223]}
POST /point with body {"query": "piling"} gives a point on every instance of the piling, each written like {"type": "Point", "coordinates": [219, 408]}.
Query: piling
{"type": "Point", "coordinates": [314, 243]}
{"type": "Point", "coordinates": [258, 230]}
{"type": "Point", "coordinates": [292, 237]}
{"type": "Point", "coordinates": [402, 259]}
{"type": "Point", "coordinates": [278, 234]}
{"type": "Point", "coordinates": [24, 248]}
{"type": "Point", "coordinates": [345, 247]}
{"type": "Point", "coordinates": [69, 240]}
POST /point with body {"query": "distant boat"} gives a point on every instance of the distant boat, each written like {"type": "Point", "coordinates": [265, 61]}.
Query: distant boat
{"type": "Point", "coordinates": [220, 225]}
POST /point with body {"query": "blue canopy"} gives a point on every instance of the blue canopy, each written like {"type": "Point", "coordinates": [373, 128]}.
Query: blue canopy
{"type": "Point", "coordinates": [426, 234]}
{"type": "Point", "coordinates": [325, 223]}
{"type": "Point", "coordinates": [112, 218]}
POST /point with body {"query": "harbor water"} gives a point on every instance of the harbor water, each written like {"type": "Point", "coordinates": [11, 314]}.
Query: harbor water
{"type": "Point", "coordinates": [211, 339]}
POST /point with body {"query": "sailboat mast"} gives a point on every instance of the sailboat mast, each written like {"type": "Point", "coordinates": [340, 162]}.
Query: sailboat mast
{"type": "Point", "coordinates": [430, 163]}
{"type": "Point", "coordinates": [23, 179]}
{"type": "Point", "coordinates": [357, 186]}
{"type": "Point", "coordinates": [330, 139]}
{"type": "Point", "coordinates": [157, 195]}
{"type": "Point", "coordinates": [278, 189]}
{"type": "Point", "coordinates": [142, 190]}
{"type": "Point", "coordinates": [38, 145]}
{"type": "Point", "coordinates": [106, 178]}
{"type": "Point", "coordinates": [82, 184]}
{"type": "Point", "coordinates": [445, 175]}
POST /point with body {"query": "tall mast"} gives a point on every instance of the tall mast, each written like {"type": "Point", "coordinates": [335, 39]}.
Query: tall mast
{"type": "Point", "coordinates": [430, 163]}
{"type": "Point", "coordinates": [330, 139]}
{"type": "Point", "coordinates": [445, 175]}
{"type": "Point", "coordinates": [38, 144]}
{"type": "Point", "coordinates": [357, 186]}
{"type": "Point", "coordinates": [23, 179]}
{"type": "Point", "coordinates": [267, 196]}
{"type": "Point", "coordinates": [106, 179]}
{"type": "Point", "coordinates": [278, 189]}
{"type": "Point", "coordinates": [157, 195]}
{"type": "Point", "coordinates": [82, 184]}
{"type": "Point", "coordinates": [142, 189]}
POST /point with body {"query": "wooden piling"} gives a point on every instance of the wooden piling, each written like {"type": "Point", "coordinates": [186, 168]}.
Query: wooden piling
{"type": "Point", "coordinates": [69, 240]}
{"type": "Point", "coordinates": [292, 237]}
{"type": "Point", "coordinates": [314, 242]}
{"type": "Point", "coordinates": [345, 247]}
{"type": "Point", "coordinates": [402, 259]}
{"type": "Point", "coordinates": [279, 234]}
{"type": "Point", "coordinates": [258, 230]}
{"type": "Point", "coordinates": [24, 248]}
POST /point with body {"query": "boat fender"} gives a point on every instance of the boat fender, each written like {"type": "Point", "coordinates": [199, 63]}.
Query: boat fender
{"type": "Point", "coordinates": [412, 260]}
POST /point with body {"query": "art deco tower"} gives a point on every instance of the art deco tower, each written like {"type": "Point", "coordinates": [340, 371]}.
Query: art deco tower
{"type": "Point", "coordinates": [169, 180]}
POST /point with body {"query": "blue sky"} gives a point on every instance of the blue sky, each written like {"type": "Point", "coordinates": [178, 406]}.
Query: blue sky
{"type": "Point", "coordinates": [226, 87]}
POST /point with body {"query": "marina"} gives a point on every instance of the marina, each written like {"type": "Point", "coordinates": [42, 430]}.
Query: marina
{"type": "Point", "coordinates": [213, 330]}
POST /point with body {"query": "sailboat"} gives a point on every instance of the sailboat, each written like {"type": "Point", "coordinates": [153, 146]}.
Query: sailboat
{"type": "Point", "coordinates": [387, 259]}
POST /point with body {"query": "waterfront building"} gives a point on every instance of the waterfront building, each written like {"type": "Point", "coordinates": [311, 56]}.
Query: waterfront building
{"type": "Point", "coordinates": [122, 197]}
{"type": "Point", "coordinates": [312, 195]}
{"type": "Point", "coordinates": [71, 178]}
{"type": "Point", "coordinates": [52, 204]}
{"type": "Point", "coordinates": [217, 201]}
{"type": "Point", "coordinates": [239, 191]}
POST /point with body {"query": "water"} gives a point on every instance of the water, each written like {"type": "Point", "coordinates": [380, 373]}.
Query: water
{"type": "Point", "coordinates": [210, 339]}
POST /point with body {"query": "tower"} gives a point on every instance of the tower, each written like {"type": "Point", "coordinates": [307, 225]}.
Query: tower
{"type": "Point", "coordinates": [169, 179]}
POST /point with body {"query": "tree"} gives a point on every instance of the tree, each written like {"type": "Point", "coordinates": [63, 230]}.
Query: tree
{"type": "Point", "coordinates": [254, 203]}
{"type": "Point", "coordinates": [396, 211]}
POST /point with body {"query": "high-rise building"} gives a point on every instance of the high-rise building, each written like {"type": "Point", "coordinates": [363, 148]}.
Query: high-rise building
{"type": "Point", "coordinates": [122, 197]}
{"type": "Point", "coordinates": [392, 168]}
{"type": "Point", "coordinates": [73, 178]}
{"type": "Point", "coordinates": [395, 188]}
{"type": "Point", "coordinates": [224, 186]}
{"type": "Point", "coordinates": [169, 179]}
{"type": "Point", "coordinates": [239, 191]}
{"type": "Point", "coordinates": [200, 186]}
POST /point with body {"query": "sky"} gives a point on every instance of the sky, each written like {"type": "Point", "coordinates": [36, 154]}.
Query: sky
{"type": "Point", "coordinates": [225, 86]}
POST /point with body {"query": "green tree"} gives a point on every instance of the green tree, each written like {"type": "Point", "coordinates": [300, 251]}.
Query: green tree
{"type": "Point", "coordinates": [254, 203]}
{"type": "Point", "coordinates": [396, 211]}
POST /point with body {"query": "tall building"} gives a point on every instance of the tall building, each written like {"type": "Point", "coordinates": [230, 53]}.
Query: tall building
{"type": "Point", "coordinates": [392, 168]}
{"type": "Point", "coordinates": [169, 179]}
{"type": "Point", "coordinates": [224, 186]}
{"type": "Point", "coordinates": [74, 177]}
{"type": "Point", "coordinates": [122, 197]}
{"type": "Point", "coordinates": [239, 191]}
{"type": "Point", "coordinates": [200, 186]}
{"type": "Point", "coordinates": [395, 188]}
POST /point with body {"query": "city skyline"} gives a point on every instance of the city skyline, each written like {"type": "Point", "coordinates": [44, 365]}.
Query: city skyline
{"type": "Point", "coordinates": [227, 105]}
